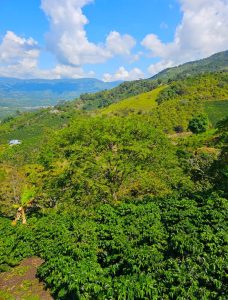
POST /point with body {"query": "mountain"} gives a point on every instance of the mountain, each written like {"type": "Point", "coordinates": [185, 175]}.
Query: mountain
{"type": "Point", "coordinates": [126, 202]}
{"type": "Point", "coordinates": [41, 92]}
{"type": "Point", "coordinates": [214, 63]}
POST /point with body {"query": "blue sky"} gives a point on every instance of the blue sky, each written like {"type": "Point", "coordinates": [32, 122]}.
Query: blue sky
{"type": "Point", "coordinates": [107, 39]}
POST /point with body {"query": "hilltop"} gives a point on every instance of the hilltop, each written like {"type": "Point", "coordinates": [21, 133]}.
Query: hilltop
{"type": "Point", "coordinates": [214, 63]}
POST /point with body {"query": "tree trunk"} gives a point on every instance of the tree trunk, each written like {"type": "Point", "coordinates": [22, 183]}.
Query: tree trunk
{"type": "Point", "coordinates": [20, 214]}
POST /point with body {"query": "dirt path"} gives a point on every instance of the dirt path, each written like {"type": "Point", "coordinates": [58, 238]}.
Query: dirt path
{"type": "Point", "coordinates": [179, 135]}
{"type": "Point", "coordinates": [21, 283]}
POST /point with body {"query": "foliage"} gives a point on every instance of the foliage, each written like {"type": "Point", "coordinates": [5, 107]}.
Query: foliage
{"type": "Point", "coordinates": [214, 63]}
{"type": "Point", "coordinates": [123, 91]}
{"type": "Point", "coordinates": [216, 110]}
{"type": "Point", "coordinates": [122, 210]}
{"type": "Point", "coordinates": [140, 103]}
{"type": "Point", "coordinates": [204, 87]}
{"type": "Point", "coordinates": [165, 248]}
{"type": "Point", "coordinates": [101, 160]}
{"type": "Point", "coordinates": [27, 195]}
{"type": "Point", "coordinates": [199, 124]}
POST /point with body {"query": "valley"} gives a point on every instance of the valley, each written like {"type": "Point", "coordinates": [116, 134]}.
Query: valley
{"type": "Point", "coordinates": [121, 193]}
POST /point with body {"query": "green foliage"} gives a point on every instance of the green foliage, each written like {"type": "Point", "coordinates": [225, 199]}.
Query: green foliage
{"type": "Point", "coordinates": [27, 195]}
{"type": "Point", "coordinates": [204, 87]}
{"type": "Point", "coordinates": [199, 124]}
{"type": "Point", "coordinates": [122, 209]}
{"type": "Point", "coordinates": [33, 130]}
{"type": "Point", "coordinates": [105, 159]}
{"type": "Point", "coordinates": [216, 110]}
{"type": "Point", "coordinates": [123, 91]}
{"type": "Point", "coordinates": [166, 248]}
{"type": "Point", "coordinates": [141, 103]}
{"type": "Point", "coordinates": [214, 63]}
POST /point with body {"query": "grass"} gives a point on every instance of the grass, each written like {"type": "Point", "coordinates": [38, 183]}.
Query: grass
{"type": "Point", "coordinates": [216, 110]}
{"type": "Point", "coordinates": [142, 102]}
{"type": "Point", "coordinates": [6, 296]}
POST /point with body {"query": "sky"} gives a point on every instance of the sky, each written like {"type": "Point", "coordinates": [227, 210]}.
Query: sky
{"type": "Point", "coordinates": [107, 39]}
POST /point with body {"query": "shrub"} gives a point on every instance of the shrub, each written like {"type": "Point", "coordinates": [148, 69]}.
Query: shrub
{"type": "Point", "coordinates": [199, 124]}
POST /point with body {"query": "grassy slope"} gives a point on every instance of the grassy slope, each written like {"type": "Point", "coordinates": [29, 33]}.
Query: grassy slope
{"type": "Point", "coordinates": [142, 102]}
{"type": "Point", "coordinates": [204, 93]}
{"type": "Point", "coordinates": [216, 110]}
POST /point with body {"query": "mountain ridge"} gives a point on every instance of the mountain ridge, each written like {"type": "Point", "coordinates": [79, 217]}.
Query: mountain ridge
{"type": "Point", "coordinates": [36, 92]}
{"type": "Point", "coordinates": [213, 63]}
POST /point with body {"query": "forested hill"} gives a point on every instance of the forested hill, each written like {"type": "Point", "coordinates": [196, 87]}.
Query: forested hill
{"type": "Point", "coordinates": [124, 202]}
{"type": "Point", "coordinates": [214, 63]}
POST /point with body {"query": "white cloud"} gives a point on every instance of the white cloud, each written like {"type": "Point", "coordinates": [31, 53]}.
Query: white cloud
{"type": "Point", "coordinates": [63, 71]}
{"type": "Point", "coordinates": [159, 66]}
{"type": "Point", "coordinates": [202, 32]}
{"type": "Point", "coordinates": [19, 58]}
{"type": "Point", "coordinates": [123, 74]}
{"type": "Point", "coordinates": [118, 44]}
{"type": "Point", "coordinates": [68, 39]}
{"type": "Point", "coordinates": [17, 54]}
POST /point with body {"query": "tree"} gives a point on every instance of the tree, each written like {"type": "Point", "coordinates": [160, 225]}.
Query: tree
{"type": "Point", "coordinates": [26, 199]}
{"type": "Point", "coordinates": [199, 124]}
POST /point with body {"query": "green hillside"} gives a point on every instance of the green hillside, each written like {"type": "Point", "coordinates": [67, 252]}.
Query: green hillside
{"type": "Point", "coordinates": [173, 105]}
{"type": "Point", "coordinates": [123, 202]}
{"type": "Point", "coordinates": [214, 63]}
{"type": "Point", "coordinates": [216, 110]}
{"type": "Point", "coordinates": [142, 102]}
{"type": "Point", "coordinates": [205, 87]}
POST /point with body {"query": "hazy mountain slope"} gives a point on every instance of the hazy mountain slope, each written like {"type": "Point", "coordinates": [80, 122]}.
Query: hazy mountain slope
{"type": "Point", "coordinates": [214, 63]}
{"type": "Point", "coordinates": [40, 92]}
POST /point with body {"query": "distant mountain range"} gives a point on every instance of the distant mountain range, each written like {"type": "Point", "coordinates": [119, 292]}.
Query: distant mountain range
{"type": "Point", "coordinates": [40, 92]}
{"type": "Point", "coordinates": [19, 94]}
{"type": "Point", "coordinates": [214, 63]}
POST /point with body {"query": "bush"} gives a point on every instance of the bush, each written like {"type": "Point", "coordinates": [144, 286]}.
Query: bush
{"type": "Point", "coordinates": [199, 124]}
{"type": "Point", "coordinates": [178, 129]}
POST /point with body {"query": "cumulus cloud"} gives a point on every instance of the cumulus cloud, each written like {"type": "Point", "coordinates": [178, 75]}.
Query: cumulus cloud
{"type": "Point", "coordinates": [68, 39]}
{"type": "Point", "coordinates": [63, 71]}
{"type": "Point", "coordinates": [117, 44]}
{"type": "Point", "coordinates": [123, 74]}
{"type": "Point", "coordinates": [19, 58]}
{"type": "Point", "coordinates": [17, 54]}
{"type": "Point", "coordinates": [202, 32]}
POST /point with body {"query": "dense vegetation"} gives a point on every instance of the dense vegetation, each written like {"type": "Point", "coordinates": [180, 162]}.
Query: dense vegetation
{"type": "Point", "coordinates": [127, 202]}
{"type": "Point", "coordinates": [123, 91]}
{"type": "Point", "coordinates": [214, 63]}
{"type": "Point", "coordinates": [204, 87]}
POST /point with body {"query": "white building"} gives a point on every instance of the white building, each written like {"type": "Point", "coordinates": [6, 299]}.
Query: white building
{"type": "Point", "coordinates": [14, 142]}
